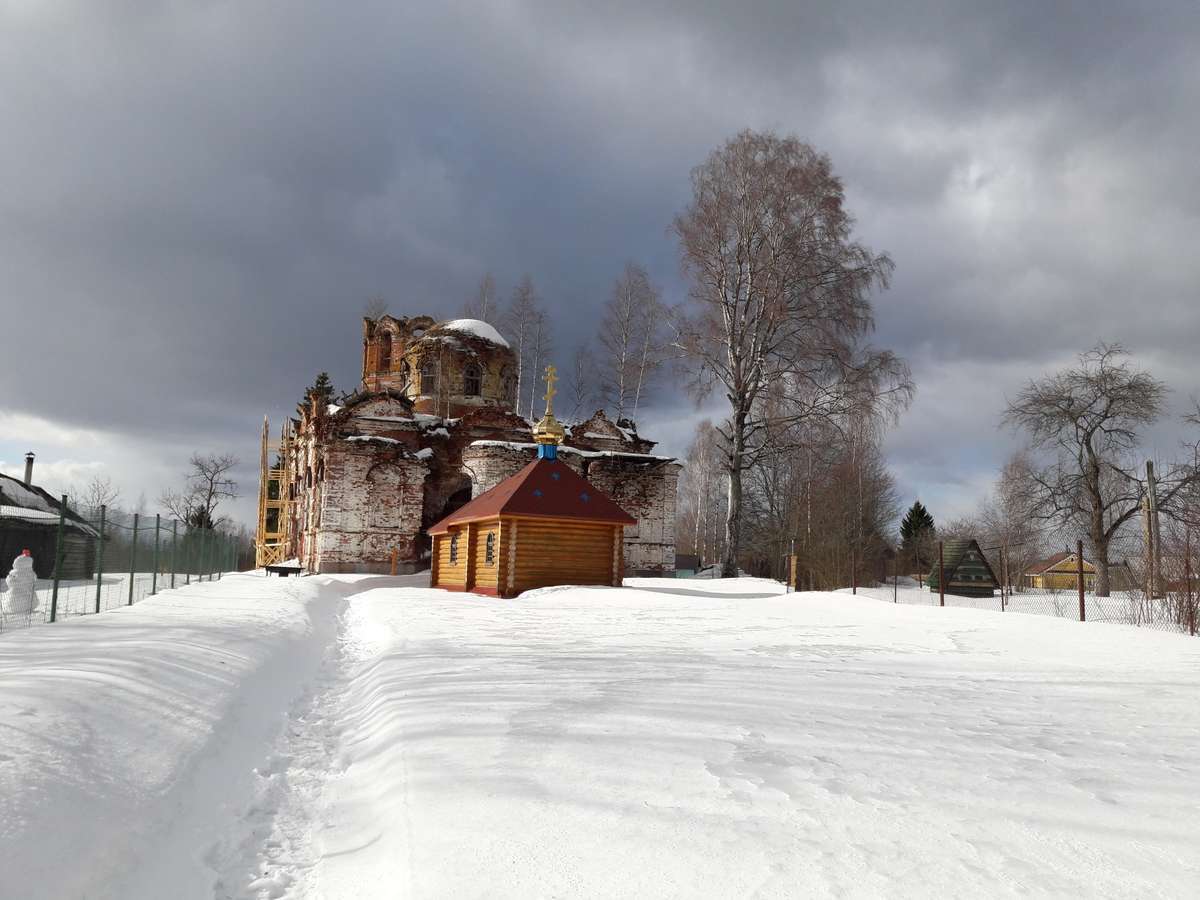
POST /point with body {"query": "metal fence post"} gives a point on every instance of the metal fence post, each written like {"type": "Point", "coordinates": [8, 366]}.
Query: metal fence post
{"type": "Point", "coordinates": [187, 555]}
{"type": "Point", "coordinates": [174, 543]}
{"type": "Point", "coordinates": [1003, 578]}
{"type": "Point", "coordinates": [58, 556]}
{"type": "Point", "coordinates": [1079, 571]}
{"type": "Point", "coordinates": [203, 541]}
{"type": "Point", "coordinates": [133, 558]}
{"type": "Point", "coordinates": [941, 573]}
{"type": "Point", "coordinates": [896, 579]}
{"type": "Point", "coordinates": [100, 558]}
{"type": "Point", "coordinates": [154, 575]}
{"type": "Point", "coordinates": [1187, 580]}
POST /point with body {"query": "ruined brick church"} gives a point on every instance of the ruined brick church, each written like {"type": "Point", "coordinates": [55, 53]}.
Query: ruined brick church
{"type": "Point", "coordinates": [352, 486]}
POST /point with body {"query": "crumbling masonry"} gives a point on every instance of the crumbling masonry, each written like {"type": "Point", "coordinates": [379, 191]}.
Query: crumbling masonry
{"type": "Point", "coordinates": [354, 484]}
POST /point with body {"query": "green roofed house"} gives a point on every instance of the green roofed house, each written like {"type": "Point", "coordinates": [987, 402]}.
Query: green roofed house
{"type": "Point", "coordinates": [967, 571]}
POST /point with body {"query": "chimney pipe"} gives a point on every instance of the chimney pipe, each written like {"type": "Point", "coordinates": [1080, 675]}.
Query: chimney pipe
{"type": "Point", "coordinates": [29, 468]}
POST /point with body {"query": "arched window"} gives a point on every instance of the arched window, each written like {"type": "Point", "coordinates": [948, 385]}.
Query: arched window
{"type": "Point", "coordinates": [385, 352]}
{"type": "Point", "coordinates": [429, 377]}
{"type": "Point", "coordinates": [472, 380]}
{"type": "Point", "coordinates": [508, 385]}
{"type": "Point", "coordinates": [406, 375]}
{"type": "Point", "coordinates": [453, 549]}
{"type": "Point", "coordinates": [489, 553]}
{"type": "Point", "coordinates": [384, 485]}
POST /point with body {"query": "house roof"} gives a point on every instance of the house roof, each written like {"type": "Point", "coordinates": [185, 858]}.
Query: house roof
{"type": "Point", "coordinates": [954, 555]}
{"type": "Point", "coordinates": [1043, 565]}
{"type": "Point", "coordinates": [546, 488]}
{"type": "Point", "coordinates": [34, 504]}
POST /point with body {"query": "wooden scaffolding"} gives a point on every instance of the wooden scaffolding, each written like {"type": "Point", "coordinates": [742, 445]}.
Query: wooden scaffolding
{"type": "Point", "coordinates": [271, 539]}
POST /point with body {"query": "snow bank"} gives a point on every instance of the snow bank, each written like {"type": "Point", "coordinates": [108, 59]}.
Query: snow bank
{"type": "Point", "coordinates": [723, 739]}
{"type": "Point", "coordinates": [675, 738]}
{"type": "Point", "coordinates": [128, 740]}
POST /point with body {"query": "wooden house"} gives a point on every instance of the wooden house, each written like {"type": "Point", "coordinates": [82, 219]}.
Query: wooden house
{"type": "Point", "coordinates": [543, 526]}
{"type": "Point", "coordinates": [1060, 572]}
{"type": "Point", "coordinates": [29, 521]}
{"type": "Point", "coordinates": [968, 573]}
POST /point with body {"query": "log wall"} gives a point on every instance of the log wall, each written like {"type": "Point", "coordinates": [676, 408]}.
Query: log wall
{"type": "Point", "coordinates": [561, 552]}
{"type": "Point", "coordinates": [486, 574]}
{"type": "Point", "coordinates": [447, 573]}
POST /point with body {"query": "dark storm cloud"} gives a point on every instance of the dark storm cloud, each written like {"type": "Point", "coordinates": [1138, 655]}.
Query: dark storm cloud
{"type": "Point", "coordinates": [198, 198]}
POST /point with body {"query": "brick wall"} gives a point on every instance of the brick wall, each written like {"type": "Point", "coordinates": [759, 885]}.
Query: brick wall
{"type": "Point", "coordinates": [371, 504]}
{"type": "Point", "coordinates": [645, 490]}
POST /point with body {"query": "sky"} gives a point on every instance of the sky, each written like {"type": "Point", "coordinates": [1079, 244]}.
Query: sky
{"type": "Point", "coordinates": [198, 198]}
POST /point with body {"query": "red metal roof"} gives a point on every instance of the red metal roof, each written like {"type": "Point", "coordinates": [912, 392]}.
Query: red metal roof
{"type": "Point", "coordinates": [545, 488]}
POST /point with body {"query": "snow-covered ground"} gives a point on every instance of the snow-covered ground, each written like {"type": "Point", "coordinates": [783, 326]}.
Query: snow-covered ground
{"type": "Point", "coordinates": [367, 737]}
{"type": "Point", "coordinates": [1122, 607]}
{"type": "Point", "coordinates": [77, 597]}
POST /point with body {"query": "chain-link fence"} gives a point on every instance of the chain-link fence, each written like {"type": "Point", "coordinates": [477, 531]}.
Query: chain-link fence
{"type": "Point", "coordinates": [1134, 581]}
{"type": "Point", "coordinates": [88, 563]}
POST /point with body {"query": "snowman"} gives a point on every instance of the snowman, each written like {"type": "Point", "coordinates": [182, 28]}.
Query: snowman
{"type": "Point", "coordinates": [20, 599]}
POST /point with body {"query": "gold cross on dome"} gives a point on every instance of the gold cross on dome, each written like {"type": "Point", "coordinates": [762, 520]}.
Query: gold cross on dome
{"type": "Point", "coordinates": [551, 377]}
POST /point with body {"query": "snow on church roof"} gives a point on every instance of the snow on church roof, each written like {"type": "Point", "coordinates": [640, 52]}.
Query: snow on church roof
{"type": "Point", "coordinates": [475, 327]}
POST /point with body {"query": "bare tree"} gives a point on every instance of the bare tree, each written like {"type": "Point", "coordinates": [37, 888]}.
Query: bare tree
{"type": "Point", "coordinates": [1009, 516]}
{"type": "Point", "coordinates": [207, 483]}
{"type": "Point", "coordinates": [99, 491]}
{"type": "Point", "coordinates": [701, 495]}
{"type": "Point", "coordinates": [652, 350]}
{"type": "Point", "coordinates": [519, 321]}
{"type": "Point", "coordinates": [483, 305]}
{"type": "Point", "coordinates": [779, 295]}
{"type": "Point", "coordinates": [540, 349]}
{"type": "Point", "coordinates": [632, 338]}
{"type": "Point", "coordinates": [1088, 417]}
{"type": "Point", "coordinates": [583, 368]}
{"type": "Point", "coordinates": [375, 307]}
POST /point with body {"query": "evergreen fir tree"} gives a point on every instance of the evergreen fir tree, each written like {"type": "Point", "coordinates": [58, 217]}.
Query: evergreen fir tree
{"type": "Point", "coordinates": [916, 532]}
{"type": "Point", "coordinates": [322, 388]}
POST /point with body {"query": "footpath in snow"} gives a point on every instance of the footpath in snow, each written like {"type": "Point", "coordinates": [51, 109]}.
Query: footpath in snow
{"type": "Point", "coordinates": [368, 737]}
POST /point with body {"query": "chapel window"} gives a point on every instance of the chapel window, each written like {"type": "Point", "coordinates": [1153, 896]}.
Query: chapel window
{"type": "Point", "coordinates": [489, 553]}
{"type": "Point", "coordinates": [453, 549]}
{"type": "Point", "coordinates": [472, 380]}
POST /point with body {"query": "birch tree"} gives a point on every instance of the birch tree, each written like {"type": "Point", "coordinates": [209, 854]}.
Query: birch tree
{"type": "Point", "coordinates": [583, 369]}
{"type": "Point", "coordinates": [779, 294]}
{"type": "Point", "coordinates": [482, 306]}
{"type": "Point", "coordinates": [540, 350]}
{"type": "Point", "coordinates": [632, 336]}
{"type": "Point", "coordinates": [519, 320]}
